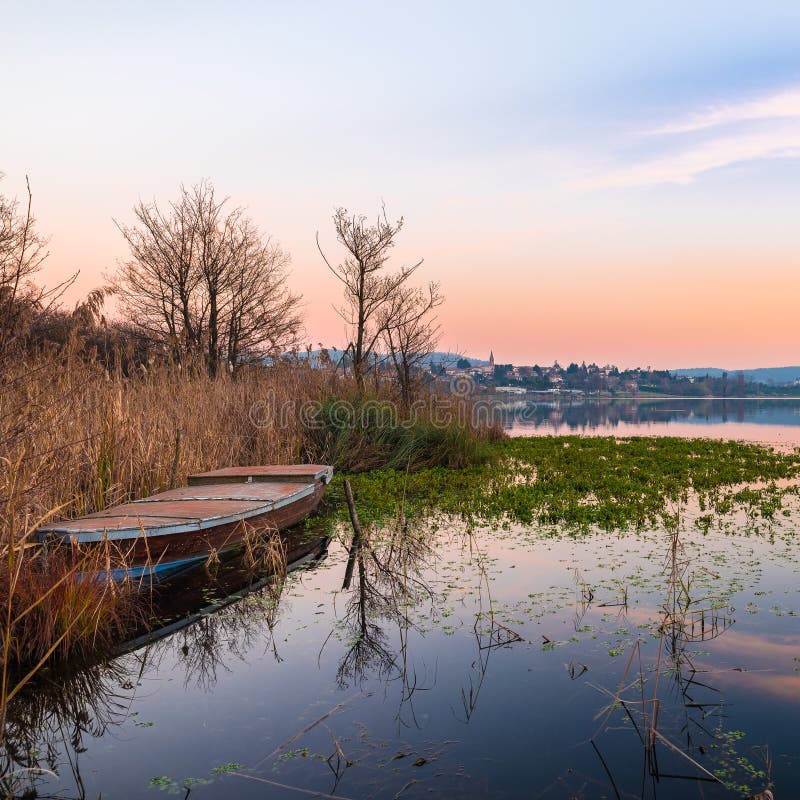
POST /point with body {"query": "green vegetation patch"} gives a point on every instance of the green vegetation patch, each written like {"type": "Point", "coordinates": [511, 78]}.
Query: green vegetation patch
{"type": "Point", "coordinates": [582, 482]}
{"type": "Point", "coordinates": [368, 434]}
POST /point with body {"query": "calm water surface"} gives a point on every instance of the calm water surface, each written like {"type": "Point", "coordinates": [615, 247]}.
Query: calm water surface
{"type": "Point", "coordinates": [479, 666]}
{"type": "Point", "coordinates": [772, 421]}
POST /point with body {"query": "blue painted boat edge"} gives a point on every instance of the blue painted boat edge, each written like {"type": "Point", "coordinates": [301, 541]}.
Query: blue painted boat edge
{"type": "Point", "coordinates": [160, 570]}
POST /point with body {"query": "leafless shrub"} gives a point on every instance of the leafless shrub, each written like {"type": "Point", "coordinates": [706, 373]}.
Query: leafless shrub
{"type": "Point", "coordinates": [23, 250]}
{"type": "Point", "coordinates": [203, 282]}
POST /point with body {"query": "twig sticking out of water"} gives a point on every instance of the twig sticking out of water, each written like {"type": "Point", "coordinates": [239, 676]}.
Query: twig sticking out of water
{"type": "Point", "coordinates": [304, 731]}
{"type": "Point", "coordinates": [351, 507]}
{"type": "Point", "coordinates": [337, 756]}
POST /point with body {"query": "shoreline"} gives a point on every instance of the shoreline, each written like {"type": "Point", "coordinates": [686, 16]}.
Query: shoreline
{"type": "Point", "coordinates": [560, 395]}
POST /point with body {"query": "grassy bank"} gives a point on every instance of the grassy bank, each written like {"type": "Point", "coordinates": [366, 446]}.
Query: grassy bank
{"type": "Point", "coordinates": [578, 483]}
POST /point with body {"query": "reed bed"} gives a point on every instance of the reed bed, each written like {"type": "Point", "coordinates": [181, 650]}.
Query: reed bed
{"type": "Point", "coordinates": [77, 437]}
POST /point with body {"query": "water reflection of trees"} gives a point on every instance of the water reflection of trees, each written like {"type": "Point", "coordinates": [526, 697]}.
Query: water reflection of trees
{"type": "Point", "coordinates": [207, 636]}
{"type": "Point", "coordinates": [47, 725]}
{"type": "Point", "coordinates": [577, 414]}
{"type": "Point", "coordinates": [382, 578]}
{"type": "Point", "coordinates": [49, 720]}
{"type": "Point", "coordinates": [201, 650]}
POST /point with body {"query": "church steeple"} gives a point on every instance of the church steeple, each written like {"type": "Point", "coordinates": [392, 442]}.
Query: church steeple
{"type": "Point", "coordinates": [491, 358]}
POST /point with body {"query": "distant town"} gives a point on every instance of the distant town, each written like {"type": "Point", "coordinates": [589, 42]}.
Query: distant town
{"type": "Point", "coordinates": [609, 380]}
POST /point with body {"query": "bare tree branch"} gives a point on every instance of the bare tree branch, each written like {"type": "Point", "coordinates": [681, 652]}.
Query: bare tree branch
{"type": "Point", "coordinates": [409, 332]}
{"type": "Point", "coordinates": [22, 251]}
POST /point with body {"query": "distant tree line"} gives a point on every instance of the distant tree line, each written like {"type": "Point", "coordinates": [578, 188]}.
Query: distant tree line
{"type": "Point", "coordinates": [592, 378]}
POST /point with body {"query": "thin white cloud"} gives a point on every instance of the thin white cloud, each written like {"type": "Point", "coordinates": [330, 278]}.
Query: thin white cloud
{"type": "Point", "coordinates": [756, 129]}
{"type": "Point", "coordinates": [780, 105]}
{"type": "Point", "coordinates": [683, 167]}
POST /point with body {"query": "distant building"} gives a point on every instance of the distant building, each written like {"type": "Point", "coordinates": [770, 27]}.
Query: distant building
{"type": "Point", "coordinates": [488, 370]}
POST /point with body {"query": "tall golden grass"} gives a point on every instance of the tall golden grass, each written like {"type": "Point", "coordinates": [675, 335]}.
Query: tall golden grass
{"type": "Point", "coordinates": [79, 439]}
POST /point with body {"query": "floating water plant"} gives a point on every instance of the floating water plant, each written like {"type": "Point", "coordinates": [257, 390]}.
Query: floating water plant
{"type": "Point", "coordinates": [587, 482]}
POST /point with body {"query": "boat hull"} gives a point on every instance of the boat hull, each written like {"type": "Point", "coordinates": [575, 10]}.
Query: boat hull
{"type": "Point", "coordinates": [169, 554]}
{"type": "Point", "coordinates": [172, 531]}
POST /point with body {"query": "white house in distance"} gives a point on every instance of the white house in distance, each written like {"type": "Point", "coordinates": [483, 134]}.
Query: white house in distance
{"type": "Point", "coordinates": [481, 375]}
{"type": "Point", "coordinates": [487, 370]}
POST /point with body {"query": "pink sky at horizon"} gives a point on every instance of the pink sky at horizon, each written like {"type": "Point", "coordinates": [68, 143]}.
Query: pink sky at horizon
{"type": "Point", "coordinates": [582, 189]}
{"type": "Point", "coordinates": [735, 315]}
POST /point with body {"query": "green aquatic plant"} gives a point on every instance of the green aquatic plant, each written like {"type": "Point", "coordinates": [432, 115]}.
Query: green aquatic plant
{"type": "Point", "coordinates": [161, 782]}
{"type": "Point", "coordinates": [173, 786]}
{"type": "Point", "coordinates": [579, 483]}
{"type": "Point", "coordinates": [734, 769]}
{"type": "Point", "coordinates": [231, 766]}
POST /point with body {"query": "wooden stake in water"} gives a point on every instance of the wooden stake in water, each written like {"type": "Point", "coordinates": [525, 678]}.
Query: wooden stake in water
{"type": "Point", "coordinates": [357, 535]}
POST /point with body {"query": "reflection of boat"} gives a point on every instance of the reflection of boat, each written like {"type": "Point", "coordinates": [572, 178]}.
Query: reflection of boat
{"type": "Point", "coordinates": [194, 596]}
{"type": "Point", "coordinates": [173, 530]}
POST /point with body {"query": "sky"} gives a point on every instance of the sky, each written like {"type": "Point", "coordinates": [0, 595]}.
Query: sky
{"type": "Point", "coordinates": [610, 182]}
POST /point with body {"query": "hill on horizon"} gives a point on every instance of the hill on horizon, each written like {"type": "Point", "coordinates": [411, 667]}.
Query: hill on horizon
{"type": "Point", "coordinates": [768, 375]}
{"type": "Point", "coordinates": [437, 357]}
{"type": "Point", "coordinates": [774, 375]}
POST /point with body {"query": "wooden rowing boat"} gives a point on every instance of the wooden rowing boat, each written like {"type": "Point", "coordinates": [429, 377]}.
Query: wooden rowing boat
{"type": "Point", "coordinates": [173, 530]}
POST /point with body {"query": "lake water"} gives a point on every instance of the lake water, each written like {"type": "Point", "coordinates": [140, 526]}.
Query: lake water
{"type": "Point", "coordinates": [772, 421]}
{"type": "Point", "coordinates": [484, 664]}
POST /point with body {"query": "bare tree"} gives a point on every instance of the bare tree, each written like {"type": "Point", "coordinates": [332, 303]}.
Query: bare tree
{"type": "Point", "coordinates": [204, 282]}
{"type": "Point", "coordinates": [367, 286]}
{"type": "Point", "coordinates": [263, 314]}
{"type": "Point", "coordinates": [22, 251]}
{"type": "Point", "coordinates": [410, 332]}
